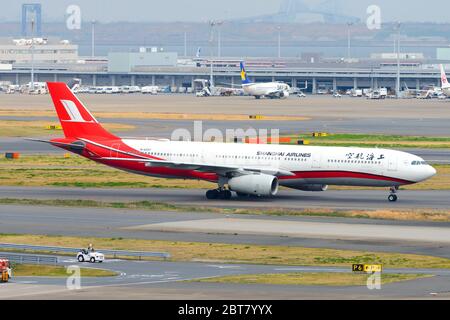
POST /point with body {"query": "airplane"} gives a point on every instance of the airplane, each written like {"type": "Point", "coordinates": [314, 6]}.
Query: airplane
{"type": "Point", "coordinates": [267, 89]}
{"type": "Point", "coordinates": [418, 93]}
{"type": "Point", "coordinates": [249, 170]}
{"type": "Point", "coordinates": [445, 85]}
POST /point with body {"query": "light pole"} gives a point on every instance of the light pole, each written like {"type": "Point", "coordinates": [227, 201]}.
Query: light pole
{"type": "Point", "coordinates": [93, 38]}
{"type": "Point", "coordinates": [32, 55]}
{"type": "Point", "coordinates": [219, 38]}
{"type": "Point", "coordinates": [349, 24]}
{"type": "Point", "coordinates": [212, 23]}
{"type": "Point", "coordinates": [397, 85]}
{"type": "Point", "coordinates": [185, 43]}
{"type": "Point", "coordinates": [279, 41]}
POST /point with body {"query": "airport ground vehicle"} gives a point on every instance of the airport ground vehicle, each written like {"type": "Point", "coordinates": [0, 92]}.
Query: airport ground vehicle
{"type": "Point", "coordinates": [100, 90]}
{"type": "Point", "coordinates": [130, 89]}
{"type": "Point", "coordinates": [112, 90]}
{"type": "Point", "coordinates": [149, 90]}
{"type": "Point", "coordinates": [5, 270]}
{"type": "Point", "coordinates": [356, 93]}
{"type": "Point", "coordinates": [250, 169]}
{"type": "Point", "coordinates": [90, 256]}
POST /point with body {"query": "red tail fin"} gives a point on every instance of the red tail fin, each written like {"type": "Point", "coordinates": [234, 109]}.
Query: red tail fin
{"type": "Point", "coordinates": [76, 120]}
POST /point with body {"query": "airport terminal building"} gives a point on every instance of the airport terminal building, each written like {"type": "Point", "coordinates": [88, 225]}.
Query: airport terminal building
{"type": "Point", "coordinates": [56, 60]}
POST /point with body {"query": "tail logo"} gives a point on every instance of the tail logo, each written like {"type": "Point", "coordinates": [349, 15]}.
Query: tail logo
{"type": "Point", "coordinates": [243, 75]}
{"type": "Point", "coordinates": [72, 111]}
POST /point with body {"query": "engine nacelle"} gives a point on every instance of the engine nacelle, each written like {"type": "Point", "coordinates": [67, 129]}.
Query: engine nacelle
{"type": "Point", "coordinates": [313, 187]}
{"type": "Point", "coordinates": [284, 94]}
{"type": "Point", "coordinates": [255, 184]}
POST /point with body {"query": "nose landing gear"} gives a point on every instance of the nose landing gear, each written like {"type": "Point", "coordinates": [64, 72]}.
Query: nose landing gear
{"type": "Point", "coordinates": [393, 196]}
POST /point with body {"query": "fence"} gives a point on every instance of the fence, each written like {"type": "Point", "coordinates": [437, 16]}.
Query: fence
{"type": "Point", "coordinates": [111, 253]}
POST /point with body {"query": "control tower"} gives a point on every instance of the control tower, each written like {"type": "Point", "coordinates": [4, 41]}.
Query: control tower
{"type": "Point", "coordinates": [31, 12]}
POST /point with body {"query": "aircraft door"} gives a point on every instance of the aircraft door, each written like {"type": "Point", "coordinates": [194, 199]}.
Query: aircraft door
{"type": "Point", "coordinates": [316, 160]}
{"type": "Point", "coordinates": [392, 164]}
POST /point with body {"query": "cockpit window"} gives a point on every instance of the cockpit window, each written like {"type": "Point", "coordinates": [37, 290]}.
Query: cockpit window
{"type": "Point", "coordinates": [419, 163]}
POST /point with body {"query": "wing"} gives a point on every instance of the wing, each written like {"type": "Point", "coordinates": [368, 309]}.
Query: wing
{"type": "Point", "coordinates": [223, 170]}
{"type": "Point", "coordinates": [276, 92]}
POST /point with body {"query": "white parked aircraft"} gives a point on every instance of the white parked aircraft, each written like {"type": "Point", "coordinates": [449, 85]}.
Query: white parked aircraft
{"type": "Point", "coordinates": [444, 82]}
{"type": "Point", "coordinates": [264, 89]}
{"type": "Point", "coordinates": [247, 169]}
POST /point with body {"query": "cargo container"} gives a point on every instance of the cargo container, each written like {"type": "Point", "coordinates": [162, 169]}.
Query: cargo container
{"type": "Point", "coordinates": [12, 155]}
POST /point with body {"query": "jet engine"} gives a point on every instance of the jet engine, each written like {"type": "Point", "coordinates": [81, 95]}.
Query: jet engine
{"type": "Point", "coordinates": [284, 94]}
{"type": "Point", "coordinates": [255, 184]}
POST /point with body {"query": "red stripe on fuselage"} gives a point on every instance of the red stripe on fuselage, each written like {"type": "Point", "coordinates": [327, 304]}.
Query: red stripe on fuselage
{"type": "Point", "coordinates": [343, 174]}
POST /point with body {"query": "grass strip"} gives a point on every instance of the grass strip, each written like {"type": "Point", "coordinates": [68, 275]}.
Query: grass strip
{"type": "Point", "coordinates": [31, 270]}
{"type": "Point", "coordinates": [311, 279]}
{"type": "Point", "coordinates": [239, 253]}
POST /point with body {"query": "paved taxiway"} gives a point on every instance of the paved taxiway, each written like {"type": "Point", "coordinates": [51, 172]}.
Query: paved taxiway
{"type": "Point", "coordinates": [428, 238]}
{"type": "Point", "coordinates": [332, 199]}
{"type": "Point", "coordinates": [160, 280]}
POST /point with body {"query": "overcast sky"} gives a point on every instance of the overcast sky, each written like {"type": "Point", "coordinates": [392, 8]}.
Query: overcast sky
{"type": "Point", "coordinates": [204, 10]}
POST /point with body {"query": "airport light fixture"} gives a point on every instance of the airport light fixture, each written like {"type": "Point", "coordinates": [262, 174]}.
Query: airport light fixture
{"type": "Point", "coordinates": [93, 38]}
{"type": "Point", "coordinates": [349, 24]}
{"type": "Point", "coordinates": [32, 54]}
{"type": "Point", "coordinates": [397, 84]}
{"type": "Point", "coordinates": [279, 41]}
{"type": "Point", "coordinates": [218, 24]}
{"type": "Point", "coordinates": [219, 37]}
{"type": "Point", "coordinates": [185, 43]}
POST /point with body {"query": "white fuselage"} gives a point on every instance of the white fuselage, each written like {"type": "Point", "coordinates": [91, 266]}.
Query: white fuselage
{"type": "Point", "coordinates": [311, 165]}
{"type": "Point", "coordinates": [446, 90]}
{"type": "Point", "coordinates": [266, 89]}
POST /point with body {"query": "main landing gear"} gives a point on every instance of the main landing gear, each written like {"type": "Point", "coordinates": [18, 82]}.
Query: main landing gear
{"type": "Point", "coordinates": [393, 196]}
{"type": "Point", "coordinates": [223, 194]}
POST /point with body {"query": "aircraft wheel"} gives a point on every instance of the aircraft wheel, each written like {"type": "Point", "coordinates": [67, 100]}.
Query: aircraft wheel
{"type": "Point", "coordinates": [241, 195]}
{"type": "Point", "coordinates": [212, 194]}
{"type": "Point", "coordinates": [392, 198]}
{"type": "Point", "coordinates": [226, 195]}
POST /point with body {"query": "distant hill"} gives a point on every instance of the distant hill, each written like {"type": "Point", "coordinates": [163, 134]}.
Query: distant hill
{"type": "Point", "coordinates": [129, 33]}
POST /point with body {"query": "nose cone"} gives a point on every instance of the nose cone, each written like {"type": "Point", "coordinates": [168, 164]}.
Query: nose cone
{"type": "Point", "coordinates": [432, 172]}
{"type": "Point", "coordinates": [427, 172]}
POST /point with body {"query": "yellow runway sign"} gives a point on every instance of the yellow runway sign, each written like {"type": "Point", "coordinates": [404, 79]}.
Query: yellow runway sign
{"type": "Point", "coordinates": [367, 268]}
